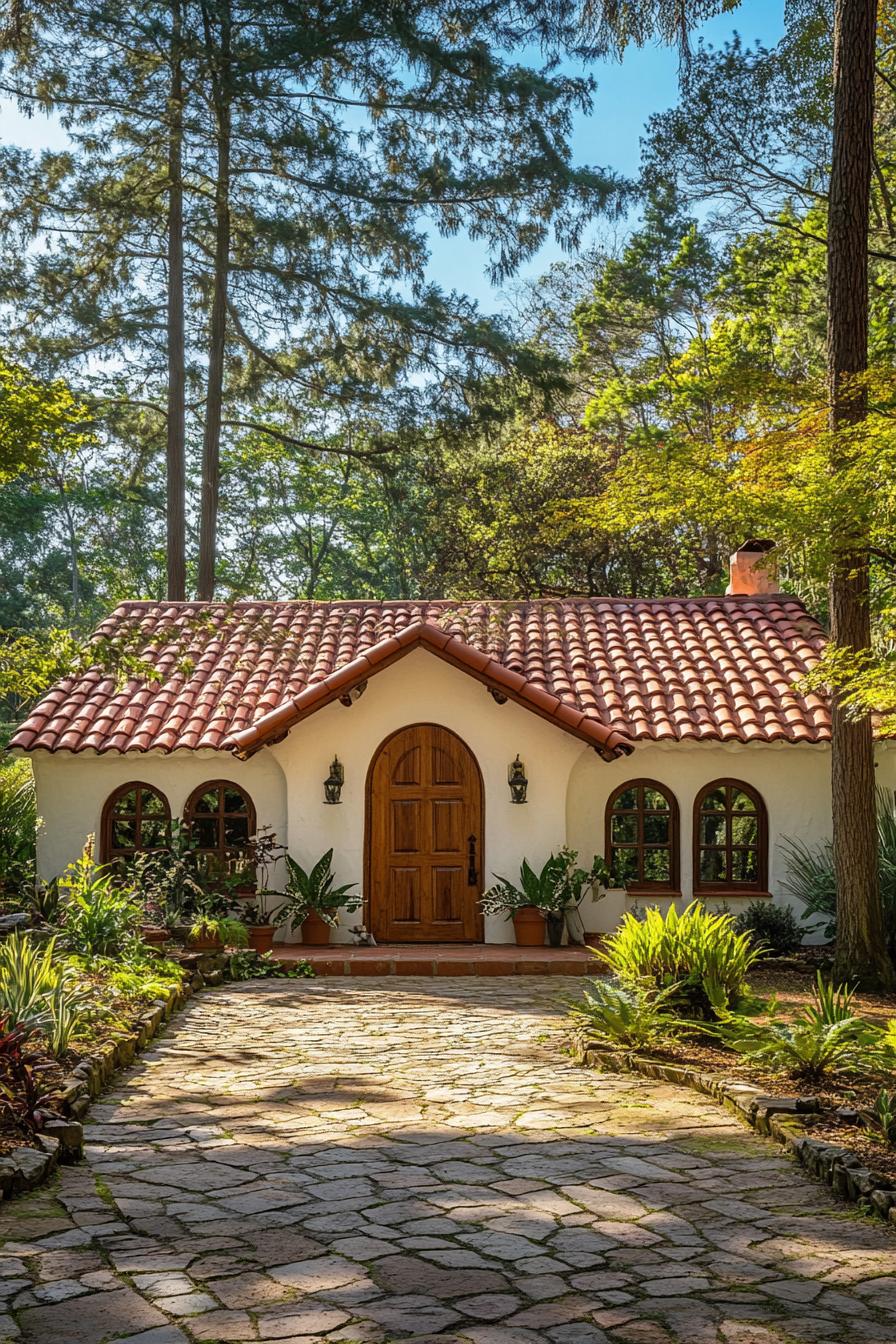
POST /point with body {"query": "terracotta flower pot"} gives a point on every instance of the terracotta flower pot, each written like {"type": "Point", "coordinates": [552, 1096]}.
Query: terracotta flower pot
{"type": "Point", "coordinates": [529, 926]}
{"type": "Point", "coordinates": [154, 934]}
{"type": "Point", "coordinates": [315, 931]}
{"type": "Point", "coordinates": [203, 942]}
{"type": "Point", "coordinates": [261, 937]}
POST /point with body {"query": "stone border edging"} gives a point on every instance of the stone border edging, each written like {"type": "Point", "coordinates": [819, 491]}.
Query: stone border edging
{"type": "Point", "coordinates": [780, 1118]}
{"type": "Point", "coordinates": [62, 1139]}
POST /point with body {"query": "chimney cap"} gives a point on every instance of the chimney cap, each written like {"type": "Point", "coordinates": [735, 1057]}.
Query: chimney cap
{"type": "Point", "coordinates": [752, 569]}
{"type": "Point", "coordinates": [762, 545]}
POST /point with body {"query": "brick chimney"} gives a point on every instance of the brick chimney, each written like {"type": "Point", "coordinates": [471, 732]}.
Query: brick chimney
{"type": "Point", "coordinates": [753, 569]}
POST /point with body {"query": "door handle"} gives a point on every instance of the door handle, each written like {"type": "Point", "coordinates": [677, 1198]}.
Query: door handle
{"type": "Point", "coordinates": [472, 871]}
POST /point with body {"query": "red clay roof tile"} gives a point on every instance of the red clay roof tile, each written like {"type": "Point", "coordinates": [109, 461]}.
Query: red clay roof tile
{"type": "Point", "coordinates": [611, 670]}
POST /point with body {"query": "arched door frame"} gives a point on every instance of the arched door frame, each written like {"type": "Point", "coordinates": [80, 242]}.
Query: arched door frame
{"type": "Point", "coordinates": [368, 823]}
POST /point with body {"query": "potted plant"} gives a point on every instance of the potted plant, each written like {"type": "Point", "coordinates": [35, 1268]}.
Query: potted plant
{"type": "Point", "coordinates": [543, 900]}
{"type": "Point", "coordinates": [209, 933]}
{"type": "Point", "coordinates": [259, 926]}
{"type": "Point", "coordinates": [313, 902]}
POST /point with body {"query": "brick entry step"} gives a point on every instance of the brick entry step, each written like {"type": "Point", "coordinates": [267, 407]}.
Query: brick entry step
{"type": "Point", "coordinates": [435, 959]}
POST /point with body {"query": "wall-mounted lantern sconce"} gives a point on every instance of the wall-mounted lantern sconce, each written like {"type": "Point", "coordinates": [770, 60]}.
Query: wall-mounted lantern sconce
{"type": "Point", "coordinates": [516, 778]}
{"type": "Point", "coordinates": [334, 782]}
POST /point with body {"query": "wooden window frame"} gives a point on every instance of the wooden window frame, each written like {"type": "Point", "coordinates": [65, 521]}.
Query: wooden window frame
{"type": "Point", "coordinates": [224, 852]}
{"type": "Point", "coordinates": [728, 887]}
{"type": "Point", "coordinates": [645, 887]}
{"type": "Point", "coordinates": [107, 820]}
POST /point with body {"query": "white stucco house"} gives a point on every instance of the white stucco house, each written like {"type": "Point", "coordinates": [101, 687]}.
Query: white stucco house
{"type": "Point", "coordinates": [671, 735]}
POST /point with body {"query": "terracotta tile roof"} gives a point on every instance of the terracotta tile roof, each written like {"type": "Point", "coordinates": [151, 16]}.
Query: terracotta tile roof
{"type": "Point", "coordinates": [610, 670]}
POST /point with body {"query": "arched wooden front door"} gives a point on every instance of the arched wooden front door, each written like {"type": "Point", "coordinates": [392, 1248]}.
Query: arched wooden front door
{"type": "Point", "coordinates": [424, 839]}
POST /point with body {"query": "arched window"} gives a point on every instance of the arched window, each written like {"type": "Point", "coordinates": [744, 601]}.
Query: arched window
{"type": "Point", "coordinates": [730, 839]}
{"type": "Point", "coordinates": [220, 818]}
{"type": "Point", "coordinates": [136, 818]}
{"type": "Point", "coordinates": [642, 837]}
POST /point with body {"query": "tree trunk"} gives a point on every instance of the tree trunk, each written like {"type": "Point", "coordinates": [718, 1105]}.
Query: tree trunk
{"type": "Point", "coordinates": [861, 947]}
{"type": "Point", "coordinates": [176, 444]}
{"type": "Point", "coordinates": [211, 441]}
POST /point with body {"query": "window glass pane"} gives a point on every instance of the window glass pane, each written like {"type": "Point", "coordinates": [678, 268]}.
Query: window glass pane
{"type": "Point", "coordinates": [657, 865]}
{"type": "Point", "coordinates": [626, 801]}
{"type": "Point", "coordinates": [741, 802]}
{"type": "Point", "coordinates": [625, 827]}
{"type": "Point", "coordinates": [655, 800]}
{"type": "Point", "coordinates": [625, 866]}
{"type": "Point", "coordinates": [745, 830]}
{"type": "Point", "coordinates": [153, 805]}
{"type": "Point", "coordinates": [236, 830]}
{"type": "Point", "coordinates": [714, 801]}
{"type": "Point", "coordinates": [744, 865]}
{"type": "Point", "coordinates": [712, 830]}
{"type": "Point", "coordinates": [234, 801]}
{"type": "Point", "coordinates": [153, 834]}
{"type": "Point", "coordinates": [656, 830]}
{"type": "Point", "coordinates": [124, 835]}
{"type": "Point", "coordinates": [126, 805]}
{"type": "Point", "coordinates": [208, 802]}
{"type": "Point", "coordinates": [205, 832]}
{"type": "Point", "coordinates": [712, 865]}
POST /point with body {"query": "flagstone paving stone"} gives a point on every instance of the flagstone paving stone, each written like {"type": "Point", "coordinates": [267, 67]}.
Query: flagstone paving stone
{"type": "Point", "coordinates": [376, 1160]}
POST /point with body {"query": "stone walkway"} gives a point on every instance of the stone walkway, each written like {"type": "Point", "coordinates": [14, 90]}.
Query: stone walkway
{"type": "Point", "coordinates": [391, 1159]}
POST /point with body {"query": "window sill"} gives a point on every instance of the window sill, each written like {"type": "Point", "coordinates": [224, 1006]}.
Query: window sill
{"type": "Point", "coordinates": [642, 892]}
{"type": "Point", "coordinates": [729, 893]}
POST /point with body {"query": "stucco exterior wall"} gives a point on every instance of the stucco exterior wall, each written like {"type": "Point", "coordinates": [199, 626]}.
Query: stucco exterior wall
{"type": "Point", "coordinates": [71, 791]}
{"type": "Point", "coordinates": [422, 689]}
{"type": "Point", "coordinates": [793, 780]}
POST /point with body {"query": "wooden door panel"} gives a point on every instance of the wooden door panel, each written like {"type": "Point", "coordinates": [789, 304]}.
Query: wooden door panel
{"type": "Point", "coordinates": [407, 905]}
{"type": "Point", "coordinates": [448, 889]}
{"type": "Point", "coordinates": [447, 825]}
{"type": "Point", "coordinates": [424, 803]}
{"type": "Point", "coordinates": [407, 826]}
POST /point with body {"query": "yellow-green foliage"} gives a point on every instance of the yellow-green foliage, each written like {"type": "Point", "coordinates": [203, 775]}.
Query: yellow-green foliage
{"type": "Point", "coordinates": [701, 953]}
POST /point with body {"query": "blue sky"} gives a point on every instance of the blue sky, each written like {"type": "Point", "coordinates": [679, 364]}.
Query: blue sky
{"type": "Point", "coordinates": [628, 92]}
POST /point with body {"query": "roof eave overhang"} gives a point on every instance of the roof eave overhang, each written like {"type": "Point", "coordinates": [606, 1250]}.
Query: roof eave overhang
{"type": "Point", "coordinates": [274, 726]}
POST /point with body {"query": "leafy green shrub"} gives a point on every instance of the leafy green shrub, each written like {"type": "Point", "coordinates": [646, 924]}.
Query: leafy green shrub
{"type": "Point", "coordinates": [811, 879]}
{"type": "Point", "coordinates": [825, 1039]}
{"type": "Point", "coordinates": [18, 830]}
{"type": "Point", "coordinates": [98, 918]}
{"type": "Point", "coordinates": [635, 1017]}
{"type": "Point", "coordinates": [38, 992]}
{"type": "Point", "coordinates": [773, 927]}
{"type": "Point", "coordinates": [698, 953]}
{"type": "Point", "coordinates": [559, 885]}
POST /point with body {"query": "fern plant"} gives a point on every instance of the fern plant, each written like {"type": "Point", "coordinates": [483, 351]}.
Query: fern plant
{"type": "Point", "coordinates": [633, 1017]}
{"type": "Point", "coordinates": [699, 953]}
{"type": "Point", "coordinates": [825, 1039]}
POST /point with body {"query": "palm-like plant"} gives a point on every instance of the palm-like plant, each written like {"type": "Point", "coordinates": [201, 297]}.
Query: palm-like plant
{"type": "Point", "coordinates": [311, 891]}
